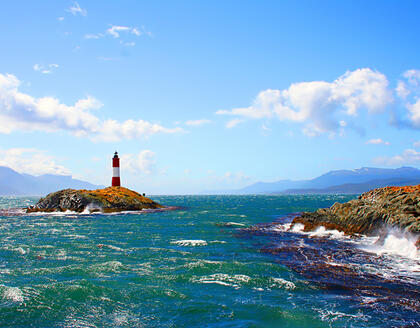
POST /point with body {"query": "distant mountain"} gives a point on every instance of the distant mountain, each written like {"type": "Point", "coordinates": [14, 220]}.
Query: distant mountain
{"type": "Point", "coordinates": [354, 188]}
{"type": "Point", "coordinates": [340, 181]}
{"type": "Point", "coordinates": [14, 183]}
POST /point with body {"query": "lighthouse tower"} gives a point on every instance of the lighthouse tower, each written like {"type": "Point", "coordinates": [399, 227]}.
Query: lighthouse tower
{"type": "Point", "coordinates": [116, 171]}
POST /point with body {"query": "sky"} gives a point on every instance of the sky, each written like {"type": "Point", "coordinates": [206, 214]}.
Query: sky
{"type": "Point", "coordinates": [208, 95]}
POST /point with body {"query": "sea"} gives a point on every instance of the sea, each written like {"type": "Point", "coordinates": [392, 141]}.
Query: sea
{"type": "Point", "coordinates": [210, 261]}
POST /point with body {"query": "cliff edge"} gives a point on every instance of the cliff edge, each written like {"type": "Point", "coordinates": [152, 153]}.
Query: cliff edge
{"type": "Point", "coordinates": [370, 213]}
{"type": "Point", "coordinates": [111, 199]}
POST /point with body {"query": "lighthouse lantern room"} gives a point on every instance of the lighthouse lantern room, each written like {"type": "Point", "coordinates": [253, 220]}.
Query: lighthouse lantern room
{"type": "Point", "coordinates": [116, 182]}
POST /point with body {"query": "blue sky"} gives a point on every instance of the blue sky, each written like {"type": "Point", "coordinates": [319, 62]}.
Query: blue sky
{"type": "Point", "coordinates": [208, 95]}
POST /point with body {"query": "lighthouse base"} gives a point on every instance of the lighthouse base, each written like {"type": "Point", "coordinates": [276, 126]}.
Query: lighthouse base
{"type": "Point", "coordinates": [116, 182]}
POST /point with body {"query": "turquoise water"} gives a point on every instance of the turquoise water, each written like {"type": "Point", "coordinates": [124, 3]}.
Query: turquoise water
{"type": "Point", "coordinates": [219, 261]}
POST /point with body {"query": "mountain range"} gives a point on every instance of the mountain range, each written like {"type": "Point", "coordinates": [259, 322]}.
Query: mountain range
{"type": "Point", "coordinates": [14, 183]}
{"type": "Point", "coordinates": [339, 181]}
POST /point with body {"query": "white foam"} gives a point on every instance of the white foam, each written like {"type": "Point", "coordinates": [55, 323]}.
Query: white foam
{"type": "Point", "coordinates": [323, 232]}
{"type": "Point", "coordinates": [297, 227]}
{"type": "Point", "coordinates": [189, 242]}
{"type": "Point", "coordinates": [13, 294]}
{"type": "Point", "coordinates": [20, 250]}
{"type": "Point", "coordinates": [282, 283]}
{"type": "Point", "coordinates": [223, 279]}
{"type": "Point", "coordinates": [234, 224]}
{"type": "Point", "coordinates": [397, 244]}
{"type": "Point", "coordinates": [202, 263]}
{"type": "Point", "coordinates": [115, 248]}
{"type": "Point", "coordinates": [282, 227]}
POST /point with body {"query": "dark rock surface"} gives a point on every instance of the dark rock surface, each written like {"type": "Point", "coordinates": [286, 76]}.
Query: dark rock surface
{"type": "Point", "coordinates": [111, 199]}
{"type": "Point", "coordinates": [372, 212]}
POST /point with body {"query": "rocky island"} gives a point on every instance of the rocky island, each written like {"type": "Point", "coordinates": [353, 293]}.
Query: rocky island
{"type": "Point", "coordinates": [111, 199]}
{"type": "Point", "coordinates": [371, 213]}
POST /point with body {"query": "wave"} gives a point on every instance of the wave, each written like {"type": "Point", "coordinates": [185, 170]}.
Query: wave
{"type": "Point", "coordinates": [13, 294]}
{"type": "Point", "coordinates": [223, 279]}
{"type": "Point", "coordinates": [190, 242]}
{"type": "Point", "coordinates": [395, 242]}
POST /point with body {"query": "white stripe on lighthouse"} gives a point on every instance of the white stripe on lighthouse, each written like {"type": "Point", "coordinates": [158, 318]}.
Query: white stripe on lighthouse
{"type": "Point", "coordinates": [116, 172]}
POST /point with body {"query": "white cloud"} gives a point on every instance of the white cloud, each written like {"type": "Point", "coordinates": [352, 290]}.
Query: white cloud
{"type": "Point", "coordinates": [116, 30]}
{"type": "Point", "coordinates": [402, 90]}
{"type": "Point", "coordinates": [409, 92]}
{"type": "Point", "coordinates": [20, 111]}
{"type": "Point", "coordinates": [232, 123]}
{"type": "Point", "coordinates": [377, 141]}
{"type": "Point", "coordinates": [75, 9]}
{"type": "Point", "coordinates": [317, 103]}
{"type": "Point", "coordinates": [265, 128]}
{"type": "Point", "coordinates": [413, 76]}
{"type": "Point", "coordinates": [144, 162]}
{"type": "Point", "coordinates": [45, 69]}
{"type": "Point", "coordinates": [32, 161]}
{"type": "Point", "coordinates": [416, 144]}
{"type": "Point", "coordinates": [236, 176]}
{"type": "Point", "coordinates": [61, 18]}
{"type": "Point", "coordinates": [414, 113]}
{"type": "Point", "coordinates": [93, 36]}
{"type": "Point", "coordinates": [197, 122]}
{"type": "Point", "coordinates": [408, 156]}
{"type": "Point", "coordinates": [112, 130]}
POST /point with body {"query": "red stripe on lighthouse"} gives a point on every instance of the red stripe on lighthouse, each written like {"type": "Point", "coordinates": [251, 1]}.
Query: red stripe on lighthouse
{"type": "Point", "coordinates": [116, 182]}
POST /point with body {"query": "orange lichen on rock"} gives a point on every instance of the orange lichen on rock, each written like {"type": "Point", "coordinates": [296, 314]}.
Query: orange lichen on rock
{"type": "Point", "coordinates": [111, 199]}
{"type": "Point", "coordinates": [111, 194]}
{"type": "Point", "coordinates": [370, 212]}
{"type": "Point", "coordinates": [404, 188]}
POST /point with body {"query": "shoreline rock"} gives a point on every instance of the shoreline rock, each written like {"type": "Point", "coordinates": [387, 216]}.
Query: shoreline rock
{"type": "Point", "coordinates": [372, 212]}
{"type": "Point", "coordinates": [107, 200]}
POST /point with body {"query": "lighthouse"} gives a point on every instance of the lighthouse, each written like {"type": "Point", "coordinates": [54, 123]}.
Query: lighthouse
{"type": "Point", "coordinates": [116, 182]}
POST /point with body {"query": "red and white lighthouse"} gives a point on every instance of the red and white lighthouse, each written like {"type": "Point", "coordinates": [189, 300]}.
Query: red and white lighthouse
{"type": "Point", "coordinates": [116, 182]}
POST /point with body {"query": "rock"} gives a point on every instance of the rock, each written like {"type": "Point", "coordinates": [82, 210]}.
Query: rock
{"type": "Point", "coordinates": [372, 212]}
{"type": "Point", "coordinates": [111, 199]}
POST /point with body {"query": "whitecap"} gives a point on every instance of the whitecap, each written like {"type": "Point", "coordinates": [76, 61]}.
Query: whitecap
{"type": "Point", "coordinates": [282, 283]}
{"type": "Point", "coordinates": [323, 232]}
{"type": "Point", "coordinates": [13, 294]}
{"type": "Point", "coordinates": [223, 279]}
{"type": "Point", "coordinates": [396, 243]}
{"type": "Point", "coordinates": [188, 242]}
{"type": "Point", "coordinates": [297, 227]}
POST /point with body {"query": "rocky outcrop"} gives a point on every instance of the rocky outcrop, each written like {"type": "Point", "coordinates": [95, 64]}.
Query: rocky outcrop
{"type": "Point", "coordinates": [111, 199]}
{"type": "Point", "coordinates": [370, 213]}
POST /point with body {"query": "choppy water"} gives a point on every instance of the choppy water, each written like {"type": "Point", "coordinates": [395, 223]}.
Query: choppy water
{"type": "Point", "coordinates": [221, 261]}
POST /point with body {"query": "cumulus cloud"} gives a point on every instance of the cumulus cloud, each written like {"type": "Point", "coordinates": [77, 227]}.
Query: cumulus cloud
{"type": "Point", "coordinates": [408, 90]}
{"type": "Point", "coordinates": [317, 104]}
{"type": "Point", "coordinates": [377, 141]}
{"type": "Point", "coordinates": [408, 156]}
{"type": "Point", "coordinates": [45, 69]}
{"type": "Point", "coordinates": [32, 161]}
{"type": "Point", "coordinates": [20, 111]}
{"type": "Point", "coordinates": [75, 9]}
{"type": "Point", "coordinates": [197, 122]}
{"type": "Point", "coordinates": [143, 163]}
{"type": "Point", "coordinates": [414, 113]}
